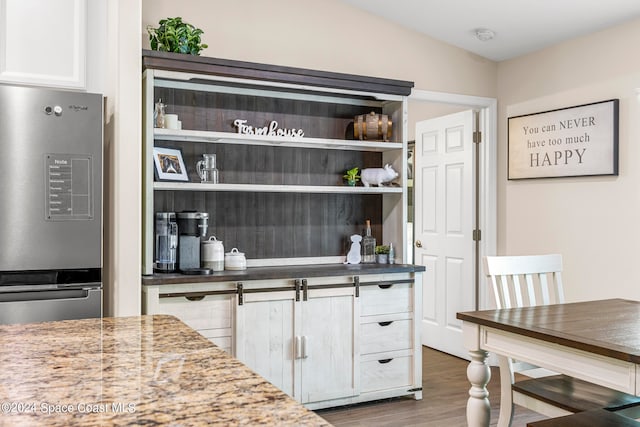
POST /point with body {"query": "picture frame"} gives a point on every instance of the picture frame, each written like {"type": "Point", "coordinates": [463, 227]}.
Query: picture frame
{"type": "Point", "coordinates": [169, 164]}
{"type": "Point", "coordinates": [565, 142]}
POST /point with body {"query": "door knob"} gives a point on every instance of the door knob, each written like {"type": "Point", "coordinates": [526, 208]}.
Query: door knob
{"type": "Point", "coordinates": [418, 244]}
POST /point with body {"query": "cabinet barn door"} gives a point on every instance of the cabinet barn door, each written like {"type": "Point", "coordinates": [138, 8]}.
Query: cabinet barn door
{"type": "Point", "coordinates": [265, 337]}
{"type": "Point", "coordinates": [329, 345]}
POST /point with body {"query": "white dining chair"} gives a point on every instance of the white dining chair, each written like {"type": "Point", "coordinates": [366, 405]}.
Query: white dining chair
{"type": "Point", "coordinates": [523, 281]}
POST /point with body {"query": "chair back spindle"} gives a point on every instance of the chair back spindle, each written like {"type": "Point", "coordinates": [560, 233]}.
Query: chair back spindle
{"type": "Point", "coordinates": [522, 281]}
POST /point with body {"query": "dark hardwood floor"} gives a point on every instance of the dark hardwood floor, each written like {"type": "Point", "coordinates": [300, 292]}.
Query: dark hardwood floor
{"type": "Point", "coordinates": [443, 404]}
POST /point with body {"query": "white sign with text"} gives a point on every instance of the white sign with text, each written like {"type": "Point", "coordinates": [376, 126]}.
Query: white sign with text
{"type": "Point", "coordinates": [574, 141]}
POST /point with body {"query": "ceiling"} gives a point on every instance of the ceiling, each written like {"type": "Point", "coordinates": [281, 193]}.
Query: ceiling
{"type": "Point", "coordinates": [520, 26]}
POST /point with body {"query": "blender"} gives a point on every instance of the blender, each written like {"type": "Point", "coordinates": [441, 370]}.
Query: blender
{"type": "Point", "coordinates": [166, 242]}
{"type": "Point", "coordinates": [191, 227]}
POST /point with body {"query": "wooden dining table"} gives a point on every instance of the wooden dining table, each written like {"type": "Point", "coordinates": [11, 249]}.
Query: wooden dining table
{"type": "Point", "coordinates": [597, 341]}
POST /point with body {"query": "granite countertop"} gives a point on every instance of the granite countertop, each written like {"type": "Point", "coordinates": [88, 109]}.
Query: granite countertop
{"type": "Point", "coordinates": [145, 370]}
{"type": "Point", "coordinates": [283, 272]}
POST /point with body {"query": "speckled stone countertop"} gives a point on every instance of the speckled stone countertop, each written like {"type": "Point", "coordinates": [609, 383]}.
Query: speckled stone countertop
{"type": "Point", "coordinates": [147, 370]}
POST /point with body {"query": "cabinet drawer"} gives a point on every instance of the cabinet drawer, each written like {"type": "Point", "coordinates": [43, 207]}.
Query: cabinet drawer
{"type": "Point", "coordinates": [385, 299]}
{"type": "Point", "coordinates": [220, 337]}
{"type": "Point", "coordinates": [211, 312]}
{"type": "Point", "coordinates": [385, 373]}
{"type": "Point", "coordinates": [385, 336]}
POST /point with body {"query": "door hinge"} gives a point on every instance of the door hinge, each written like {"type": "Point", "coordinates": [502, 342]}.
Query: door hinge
{"type": "Point", "coordinates": [477, 137]}
{"type": "Point", "coordinates": [477, 235]}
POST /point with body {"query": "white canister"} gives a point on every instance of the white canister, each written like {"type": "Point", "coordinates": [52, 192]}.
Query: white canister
{"type": "Point", "coordinates": [171, 121]}
{"type": "Point", "coordinates": [213, 254]}
{"type": "Point", "coordinates": [235, 260]}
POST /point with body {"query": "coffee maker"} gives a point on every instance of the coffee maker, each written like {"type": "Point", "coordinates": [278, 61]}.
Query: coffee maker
{"type": "Point", "coordinates": [191, 227]}
{"type": "Point", "coordinates": [166, 242]}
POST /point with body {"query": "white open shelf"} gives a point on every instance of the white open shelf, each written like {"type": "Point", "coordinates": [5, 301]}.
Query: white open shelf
{"type": "Point", "coordinates": [262, 188]}
{"type": "Point", "coordinates": [275, 141]}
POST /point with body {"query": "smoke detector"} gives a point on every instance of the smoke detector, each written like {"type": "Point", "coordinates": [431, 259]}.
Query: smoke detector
{"type": "Point", "coordinates": [484, 34]}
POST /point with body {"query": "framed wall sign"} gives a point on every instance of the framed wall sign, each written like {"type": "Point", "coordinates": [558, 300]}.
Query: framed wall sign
{"type": "Point", "coordinates": [169, 165]}
{"type": "Point", "coordinates": [573, 141]}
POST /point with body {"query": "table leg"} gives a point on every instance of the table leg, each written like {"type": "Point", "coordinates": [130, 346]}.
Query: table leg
{"type": "Point", "coordinates": [479, 374]}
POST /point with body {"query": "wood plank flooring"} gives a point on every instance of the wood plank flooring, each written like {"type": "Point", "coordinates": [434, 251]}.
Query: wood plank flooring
{"type": "Point", "coordinates": [443, 404]}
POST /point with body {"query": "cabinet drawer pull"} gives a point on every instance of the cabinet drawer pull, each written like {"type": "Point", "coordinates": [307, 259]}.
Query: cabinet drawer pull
{"type": "Point", "coordinates": [383, 361]}
{"type": "Point", "coordinates": [195, 298]}
{"type": "Point", "coordinates": [385, 323]}
{"type": "Point", "coordinates": [305, 290]}
{"type": "Point", "coordinates": [385, 285]}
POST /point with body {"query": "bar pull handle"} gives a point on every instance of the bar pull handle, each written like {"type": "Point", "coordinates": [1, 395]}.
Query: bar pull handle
{"type": "Point", "coordinates": [305, 290]}
{"type": "Point", "coordinates": [305, 347]}
{"type": "Point", "coordinates": [297, 285]}
{"type": "Point", "coordinates": [240, 287]}
{"type": "Point", "coordinates": [297, 348]}
{"type": "Point", "coordinates": [356, 283]}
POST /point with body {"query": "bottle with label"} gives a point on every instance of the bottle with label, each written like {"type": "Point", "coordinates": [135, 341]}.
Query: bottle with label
{"type": "Point", "coordinates": [368, 244]}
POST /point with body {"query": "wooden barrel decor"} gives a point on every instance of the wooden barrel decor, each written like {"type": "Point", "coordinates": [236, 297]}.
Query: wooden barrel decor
{"type": "Point", "coordinates": [372, 126]}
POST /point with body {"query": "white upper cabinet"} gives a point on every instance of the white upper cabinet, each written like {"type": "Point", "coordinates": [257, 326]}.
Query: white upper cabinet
{"type": "Point", "coordinates": [43, 42]}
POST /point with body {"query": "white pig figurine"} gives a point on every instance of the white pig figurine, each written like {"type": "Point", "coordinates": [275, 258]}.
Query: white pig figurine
{"type": "Point", "coordinates": [377, 176]}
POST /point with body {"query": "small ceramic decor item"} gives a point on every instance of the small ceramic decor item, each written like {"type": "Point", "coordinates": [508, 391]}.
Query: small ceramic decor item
{"type": "Point", "coordinates": [235, 260]}
{"type": "Point", "coordinates": [159, 114]}
{"type": "Point", "coordinates": [377, 176]}
{"type": "Point", "coordinates": [353, 257]}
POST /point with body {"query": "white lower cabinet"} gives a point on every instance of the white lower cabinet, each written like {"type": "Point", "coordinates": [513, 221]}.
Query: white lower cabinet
{"type": "Point", "coordinates": [206, 308]}
{"type": "Point", "coordinates": [302, 341]}
{"type": "Point", "coordinates": [324, 341]}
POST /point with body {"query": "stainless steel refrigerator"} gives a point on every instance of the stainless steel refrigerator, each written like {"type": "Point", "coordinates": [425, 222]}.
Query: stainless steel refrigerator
{"type": "Point", "coordinates": [51, 159]}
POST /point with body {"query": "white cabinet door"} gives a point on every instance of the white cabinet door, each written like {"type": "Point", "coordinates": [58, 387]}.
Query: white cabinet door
{"type": "Point", "coordinates": [265, 337]}
{"type": "Point", "coordinates": [329, 344]}
{"type": "Point", "coordinates": [307, 348]}
{"type": "Point", "coordinates": [43, 42]}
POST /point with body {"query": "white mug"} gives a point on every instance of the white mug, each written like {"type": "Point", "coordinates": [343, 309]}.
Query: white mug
{"type": "Point", "coordinates": [171, 121]}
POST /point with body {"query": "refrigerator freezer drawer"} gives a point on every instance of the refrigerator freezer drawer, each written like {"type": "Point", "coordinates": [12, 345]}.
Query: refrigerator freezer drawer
{"type": "Point", "coordinates": [27, 307]}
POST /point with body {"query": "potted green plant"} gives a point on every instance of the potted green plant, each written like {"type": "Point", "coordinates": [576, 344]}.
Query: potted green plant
{"type": "Point", "coordinates": [352, 176]}
{"type": "Point", "coordinates": [174, 35]}
{"type": "Point", "coordinates": [382, 254]}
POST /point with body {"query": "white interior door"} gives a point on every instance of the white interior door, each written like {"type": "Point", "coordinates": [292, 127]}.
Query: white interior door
{"type": "Point", "coordinates": [444, 223]}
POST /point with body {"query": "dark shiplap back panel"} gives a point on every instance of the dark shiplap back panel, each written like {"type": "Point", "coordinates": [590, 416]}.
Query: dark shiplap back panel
{"type": "Point", "coordinates": [279, 225]}
{"type": "Point", "coordinates": [273, 225]}
{"type": "Point", "coordinates": [316, 119]}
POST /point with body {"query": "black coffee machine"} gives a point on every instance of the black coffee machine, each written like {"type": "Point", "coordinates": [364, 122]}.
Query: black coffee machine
{"type": "Point", "coordinates": [192, 226]}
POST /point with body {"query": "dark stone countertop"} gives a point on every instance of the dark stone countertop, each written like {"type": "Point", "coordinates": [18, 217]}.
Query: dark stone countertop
{"type": "Point", "coordinates": [282, 272]}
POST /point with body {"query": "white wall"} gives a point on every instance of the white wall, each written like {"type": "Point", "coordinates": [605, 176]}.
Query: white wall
{"type": "Point", "coordinates": [591, 221]}
{"type": "Point", "coordinates": [326, 35]}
